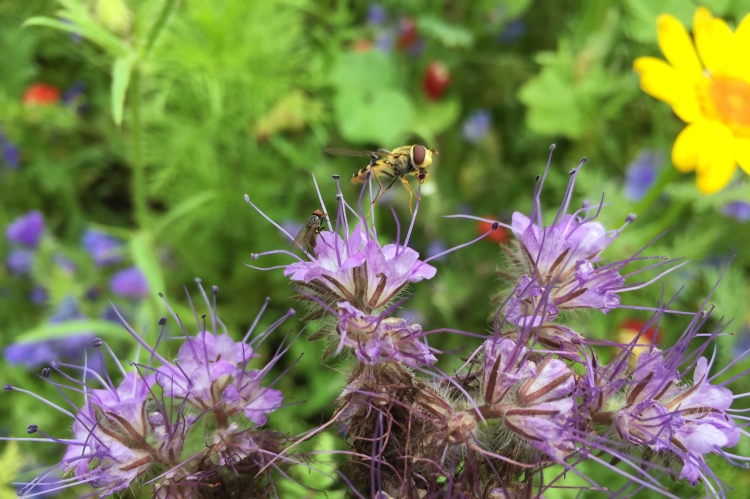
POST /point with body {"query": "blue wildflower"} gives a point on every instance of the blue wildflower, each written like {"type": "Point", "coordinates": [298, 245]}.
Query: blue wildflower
{"type": "Point", "coordinates": [20, 261]}
{"type": "Point", "coordinates": [514, 30]}
{"type": "Point", "coordinates": [105, 249]}
{"type": "Point", "coordinates": [129, 283]}
{"type": "Point", "coordinates": [26, 229]}
{"type": "Point", "coordinates": [10, 152]}
{"type": "Point", "coordinates": [376, 14]}
{"type": "Point", "coordinates": [739, 210]}
{"type": "Point", "coordinates": [641, 174]}
{"type": "Point", "coordinates": [476, 126]}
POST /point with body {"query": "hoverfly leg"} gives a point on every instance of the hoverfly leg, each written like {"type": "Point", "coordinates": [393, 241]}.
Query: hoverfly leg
{"type": "Point", "coordinates": [411, 194]}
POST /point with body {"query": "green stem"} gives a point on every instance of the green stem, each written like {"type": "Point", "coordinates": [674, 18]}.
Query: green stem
{"type": "Point", "coordinates": [140, 200]}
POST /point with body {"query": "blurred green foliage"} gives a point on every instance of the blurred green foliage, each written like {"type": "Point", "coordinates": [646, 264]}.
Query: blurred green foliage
{"type": "Point", "coordinates": [187, 105]}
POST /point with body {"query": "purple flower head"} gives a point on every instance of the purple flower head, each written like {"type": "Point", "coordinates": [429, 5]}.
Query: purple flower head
{"type": "Point", "coordinates": [124, 431]}
{"type": "Point", "coordinates": [376, 14]}
{"type": "Point", "coordinates": [26, 229]}
{"type": "Point", "coordinates": [129, 283]}
{"type": "Point", "coordinates": [739, 210]}
{"type": "Point", "coordinates": [105, 249]}
{"type": "Point", "coordinates": [558, 263]}
{"type": "Point", "coordinates": [534, 401]}
{"type": "Point", "coordinates": [11, 155]}
{"type": "Point", "coordinates": [353, 266]}
{"type": "Point", "coordinates": [378, 339]}
{"type": "Point", "coordinates": [39, 295]}
{"type": "Point", "coordinates": [476, 126]}
{"type": "Point", "coordinates": [20, 261]}
{"type": "Point", "coordinates": [72, 94]}
{"type": "Point", "coordinates": [641, 174]}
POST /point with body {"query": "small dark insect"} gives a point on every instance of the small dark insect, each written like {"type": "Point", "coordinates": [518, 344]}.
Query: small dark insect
{"type": "Point", "coordinates": [306, 238]}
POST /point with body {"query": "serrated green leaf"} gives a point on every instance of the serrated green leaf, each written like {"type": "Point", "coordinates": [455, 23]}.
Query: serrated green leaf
{"type": "Point", "coordinates": [552, 108]}
{"type": "Point", "coordinates": [121, 71]}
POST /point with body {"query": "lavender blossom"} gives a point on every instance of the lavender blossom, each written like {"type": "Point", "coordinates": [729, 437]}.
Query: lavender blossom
{"type": "Point", "coordinates": [378, 339]}
{"type": "Point", "coordinates": [739, 210]}
{"type": "Point", "coordinates": [105, 249]}
{"type": "Point", "coordinates": [476, 126]}
{"type": "Point", "coordinates": [149, 425]}
{"type": "Point", "coordinates": [641, 174]}
{"type": "Point", "coordinates": [129, 283]}
{"type": "Point", "coordinates": [11, 155]}
{"type": "Point", "coordinates": [26, 229]}
{"type": "Point", "coordinates": [20, 261]}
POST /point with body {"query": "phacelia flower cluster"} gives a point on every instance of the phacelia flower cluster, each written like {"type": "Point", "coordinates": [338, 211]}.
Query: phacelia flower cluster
{"type": "Point", "coordinates": [184, 428]}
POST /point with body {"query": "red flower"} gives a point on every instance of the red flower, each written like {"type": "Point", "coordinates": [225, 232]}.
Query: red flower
{"type": "Point", "coordinates": [499, 235]}
{"type": "Point", "coordinates": [436, 80]}
{"type": "Point", "coordinates": [41, 94]}
{"type": "Point", "coordinates": [362, 45]}
{"type": "Point", "coordinates": [408, 34]}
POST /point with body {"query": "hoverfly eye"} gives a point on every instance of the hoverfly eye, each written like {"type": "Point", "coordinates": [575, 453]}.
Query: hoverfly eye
{"type": "Point", "coordinates": [418, 154]}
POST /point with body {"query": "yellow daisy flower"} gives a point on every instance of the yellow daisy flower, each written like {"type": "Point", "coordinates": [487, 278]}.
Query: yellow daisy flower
{"type": "Point", "coordinates": [709, 89]}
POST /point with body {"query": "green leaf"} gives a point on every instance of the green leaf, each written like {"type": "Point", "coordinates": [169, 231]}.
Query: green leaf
{"type": "Point", "coordinates": [72, 328]}
{"type": "Point", "coordinates": [11, 461]}
{"type": "Point", "coordinates": [643, 13]}
{"type": "Point", "coordinates": [449, 35]}
{"type": "Point", "coordinates": [552, 106]}
{"type": "Point", "coordinates": [435, 118]}
{"type": "Point", "coordinates": [87, 28]}
{"type": "Point", "coordinates": [184, 208]}
{"type": "Point", "coordinates": [363, 71]}
{"type": "Point", "coordinates": [144, 256]}
{"type": "Point", "coordinates": [121, 70]}
{"type": "Point", "coordinates": [382, 117]}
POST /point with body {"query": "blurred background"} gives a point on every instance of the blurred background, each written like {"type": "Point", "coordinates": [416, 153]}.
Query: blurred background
{"type": "Point", "coordinates": [130, 130]}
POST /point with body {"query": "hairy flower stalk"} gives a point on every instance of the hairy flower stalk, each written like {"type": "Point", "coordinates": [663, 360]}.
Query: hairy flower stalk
{"type": "Point", "coordinates": [187, 428]}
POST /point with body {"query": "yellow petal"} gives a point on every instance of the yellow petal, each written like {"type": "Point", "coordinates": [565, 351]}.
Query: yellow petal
{"type": "Point", "coordinates": [713, 40]}
{"type": "Point", "coordinates": [741, 68]}
{"type": "Point", "coordinates": [660, 80]}
{"type": "Point", "coordinates": [716, 163]}
{"type": "Point", "coordinates": [742, 153]}
{"type": "Point", "coordinates": [687, 146]}
{"type": "Point", "coordinates": [678, 48]}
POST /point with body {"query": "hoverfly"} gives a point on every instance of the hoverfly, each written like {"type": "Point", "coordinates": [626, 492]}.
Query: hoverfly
{"type": "Point", "coordinates": [395, 164]}
{"type": "Point", "coordinates": [306, 238]}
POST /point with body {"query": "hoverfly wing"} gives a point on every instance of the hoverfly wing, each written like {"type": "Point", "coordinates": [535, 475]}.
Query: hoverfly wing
{"type": "Point", "coordinates": [343, 151]}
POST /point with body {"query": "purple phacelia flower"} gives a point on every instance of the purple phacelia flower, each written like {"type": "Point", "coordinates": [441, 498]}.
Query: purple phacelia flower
{"type": "Point", "coordinates": [105, 249]}
{"type": "Point", "coordinates": [739, 210]}
{"type": "Point", "coordinates": [210, 373]}
{"type": "Point", "coordinates": [353, 266]}
{"type": "Point", "coordinates": [39, 295]}
{"type": "Point", "coordinates": [139, 426]}
{"type": "Point", "coordinates": [476, 126]}
{"type": "Point", "coordinates": [558, 263]}
{"type": "Point", "coordinates": [129, 283]}
{"type": "Point", "coordinates": [641, 174]}
{"type": "Point", "coordinates": [20, 261]}
{"type": "Point", "coordinates": [376, 339]}
{"type": "Point", "coordinates": [26, 229]}
{"type": "Point", "coordinates": [534, 401]}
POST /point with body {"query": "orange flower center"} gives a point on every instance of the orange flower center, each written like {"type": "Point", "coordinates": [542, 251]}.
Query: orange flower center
{"type": "Point", "coordinates": [729, 102]}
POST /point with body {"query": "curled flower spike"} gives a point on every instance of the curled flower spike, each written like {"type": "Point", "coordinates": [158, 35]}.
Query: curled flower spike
{"type": "Point", "coordinates": [150, 425]}
{"type": "Point", "coordinates": [556, 266]}
{"type": "Point", "coordinates": [378, 339]}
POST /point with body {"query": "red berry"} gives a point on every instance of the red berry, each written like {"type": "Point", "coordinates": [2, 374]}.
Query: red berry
{"type": "Point", "coordinates": [436, 80]}
{"type": "Point", "coordinates": [41, 94]}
